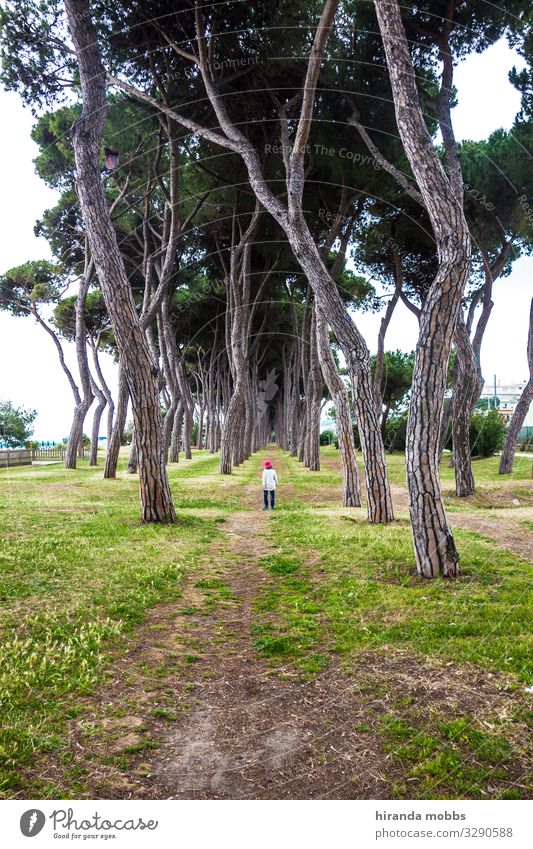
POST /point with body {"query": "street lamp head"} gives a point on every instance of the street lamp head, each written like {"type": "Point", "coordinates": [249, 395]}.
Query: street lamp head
{"type": "Point", "coordinates": [111, 158]}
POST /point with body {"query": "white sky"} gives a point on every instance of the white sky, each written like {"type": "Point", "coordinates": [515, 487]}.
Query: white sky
{"type": "Point", "coordinates": [30, 374]}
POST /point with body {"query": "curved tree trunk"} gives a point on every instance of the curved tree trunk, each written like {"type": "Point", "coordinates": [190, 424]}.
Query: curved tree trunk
{"type": "Point", "coordinates": [102, 401]}
{"type": "Point", "coordinates": [106, 390]}
{"type": "Point", "coordinates": [351, 496]}
{"type": "Point", "coordinates": [113, 450]}
{"type": "Point", "coordinates": [139, 367]}
{"type": "Point", "coordinates": [467, 387]}
{"type": "Point", "coordinates": [76, 430]}
{"type": "Point", "coordinates": [521, 411]}
{"type": "Point", "coordinates": [435, 549]}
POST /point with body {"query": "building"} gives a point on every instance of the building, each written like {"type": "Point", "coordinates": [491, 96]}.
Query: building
{"type": "Point", "coordinates": [505, 396]}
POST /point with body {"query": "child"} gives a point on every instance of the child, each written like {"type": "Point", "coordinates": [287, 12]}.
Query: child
{"type": "Point", "coordinates": [270, 482]}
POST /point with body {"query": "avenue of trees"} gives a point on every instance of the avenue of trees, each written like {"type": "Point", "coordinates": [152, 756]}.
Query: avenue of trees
{"type": "Point", "coordinates": [265, 151]}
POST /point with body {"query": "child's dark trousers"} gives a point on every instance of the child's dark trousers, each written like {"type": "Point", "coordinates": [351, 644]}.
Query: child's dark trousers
{"type": "Point", "coordinates": [272, 498]}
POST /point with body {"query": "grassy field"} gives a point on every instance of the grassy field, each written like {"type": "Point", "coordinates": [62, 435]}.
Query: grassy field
{"type": "Point", "coordinates": [78, 575]}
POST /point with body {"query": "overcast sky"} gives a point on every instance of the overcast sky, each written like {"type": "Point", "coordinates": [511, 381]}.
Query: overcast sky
{"type": "Point", "coordinates": [30, 374]}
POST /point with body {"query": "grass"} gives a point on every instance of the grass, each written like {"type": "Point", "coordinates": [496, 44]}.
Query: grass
{"type": "Point", "coordinates": [78, 572]}
{"type": "Point", "coordinates": [362, 592]}
{"type": "Point", "coordinates": [446, 758]}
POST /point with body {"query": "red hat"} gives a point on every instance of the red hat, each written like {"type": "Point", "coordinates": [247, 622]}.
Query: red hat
{"type": "Point", "coordinates": [267, 464]}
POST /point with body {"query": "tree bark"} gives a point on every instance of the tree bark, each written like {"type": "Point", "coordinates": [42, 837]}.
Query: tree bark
{"type": "Point", "coordinates": [105, 389]}
{"type": "Point", "coordinates": [468, 376]}
{"type": "Point", "coordinates": [313, 406]}
{"type": "Point", "coordinates": [133, 456]}
{"type": "Point", "coordinates": [140, 369]}
{"type": "Point", "coordinates": [100, 407]}
{"type": "Point", "coordinates": [113, 450]}
{"type": "Point", "coordinates": [383, 327]}
{"type": "Point", "coordinates": [177, 429]}
{"type": "Point", "coordinates": [521, 411]}
{"type": "Point", "coordinates": [351, 493]}
{"type": "Point", "coordinates": [435, 548]}
{"type": "Point", "coordinates": [467, 387]}
{"type": "Point", "coordinates": [76, 430]}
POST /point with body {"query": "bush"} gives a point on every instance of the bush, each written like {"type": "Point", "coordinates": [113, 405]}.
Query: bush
{"type": "Point", "coordinates": [328, 437]}
{"type": "Point", "coordinates": [487, 433]}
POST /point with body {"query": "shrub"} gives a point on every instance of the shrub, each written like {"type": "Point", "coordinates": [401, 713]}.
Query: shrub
{"type": "Point", "coordinates": [487, 433]}
{"type": "Point", "coordinates": [328, 437]}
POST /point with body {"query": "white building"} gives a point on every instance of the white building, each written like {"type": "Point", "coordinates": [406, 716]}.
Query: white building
{"type": "Point", "coordinates": [508, 395]}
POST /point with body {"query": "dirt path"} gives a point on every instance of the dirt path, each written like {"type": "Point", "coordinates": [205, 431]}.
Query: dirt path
{"type": "Point", "coordinates": [257, 733]}
{"type": "Point", "coordinates": [224, 725]}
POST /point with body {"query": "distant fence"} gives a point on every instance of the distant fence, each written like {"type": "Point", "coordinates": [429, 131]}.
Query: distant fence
{"type": "Point", "coordinates": [25, 456]}
{"type": "Point", "coordinates": [15, 457]}
{"type": "Point", "coordinates": [54, 452]}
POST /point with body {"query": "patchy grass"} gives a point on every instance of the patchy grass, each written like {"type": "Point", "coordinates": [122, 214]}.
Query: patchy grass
{"type": "Point", "coordinates": [445, 759]}
{"type": "Point", "coordinates": [77, 572]}
{"type": "Point", "coordinates": [362, 591]}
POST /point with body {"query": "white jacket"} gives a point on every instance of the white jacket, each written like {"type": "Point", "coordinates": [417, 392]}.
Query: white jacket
{"type": "Point", "coordinates": [270, 479]}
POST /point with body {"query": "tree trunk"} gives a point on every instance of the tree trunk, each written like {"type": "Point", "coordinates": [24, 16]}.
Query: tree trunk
{"type": "Point", "coordinates": [383, 327]}
{"type": "Point", "coordinates": [351, 495]}
{"type": "Point", "coordinates": [177, 428]}
{"type": "Point", "coordinates": [521, 411]}
{"type": "Point", "coordinates": [468, 382]}
{"type": "Point", "coordinates": [133, 457]}
{"type": "Point", "coordinates": [76, 430]}
{"type": "Point", "coordinates": [140, 369]}
{"type": "Point", "coordinates": [113, 450]}
{"type": "Point", "coordinates": [232, 422]}
{"type": "Point", "coordinates": [200, 431]}
{"type": "Point", "coordinates": [102, 401]}
{"type": "Point", "coordinates": [435, 549]}
{"type": "Point", "coordinates": [188, 409]}
{"type": "Point", "coordinates": [444, 425]}
{"type": "Point", "coordinates": [313, 406]}
{"type": "Point", "coordinates": [106, 391]}
{"type": "Point", "coordinates": [467, 387]}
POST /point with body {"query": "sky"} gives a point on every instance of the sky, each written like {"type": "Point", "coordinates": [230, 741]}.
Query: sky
{"type": "Point", "coordinates": [30, 374]}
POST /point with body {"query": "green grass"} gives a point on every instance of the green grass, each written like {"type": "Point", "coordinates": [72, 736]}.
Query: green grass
{"type": "Point", "coordinates": [78, 572]}
{"type": "Point", "coordinates": [447, 758]}
{"type": "Point", "coordinates": [362, 592]}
